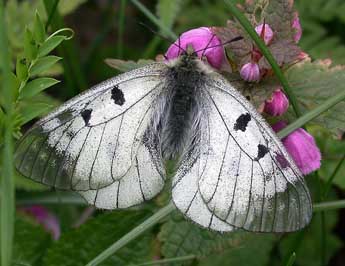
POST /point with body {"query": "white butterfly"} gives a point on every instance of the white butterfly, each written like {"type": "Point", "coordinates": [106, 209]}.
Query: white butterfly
{"type": "Point", "coordinates": [110, 144]}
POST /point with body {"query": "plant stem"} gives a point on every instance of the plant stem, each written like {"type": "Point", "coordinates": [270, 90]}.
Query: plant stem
{"type": "Point", "coordinates": [134, 233]}
{"type": "Point", "coordinates": [51, 14]}
{"type": "Point", "coordinates": [7, 202]}
{"type": "Point", "coordinates": [165, 30]}
{"type": "Point", "coordinates": [312, 114]}
{"type": "Point", "coordinates": [266, 52]}
{"type": "Point", "coordinates": [292, 259]}
{"type": "Point", "coordinates": [169, 260]}
{"type": "Point", "coordinates": [329, 205]}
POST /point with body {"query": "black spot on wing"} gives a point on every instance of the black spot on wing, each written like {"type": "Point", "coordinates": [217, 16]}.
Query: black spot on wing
{"type": "Point", "coordinates": [86, 115]}
{"type": "Point", "coordinates": [262, 151]}
{"type": "Point", "coordinates": [242, 122]}
{"type": "Point", "coordinates": [283, 163]}
{"type": "Point", "coordinates": [117, 96]}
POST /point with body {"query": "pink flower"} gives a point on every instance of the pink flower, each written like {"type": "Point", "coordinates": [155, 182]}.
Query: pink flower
{"type": "Point", "coordinates": [265, 32]}
{"type": "Point", "coordinates": [302, 148]}
{"type": "Point", "coordinates": [203, 40]}
{"type": "Point", "coordinates": [250, 72]}
{"type": "Point", "coordinates": [45, 218]}
{"type": "Point", "coordinates": [296, 25]}
{"type": "Point", "coordinates": [277, 104]}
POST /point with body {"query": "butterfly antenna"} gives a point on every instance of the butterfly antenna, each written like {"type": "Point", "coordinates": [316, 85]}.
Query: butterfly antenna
{"type": "Point", "coordinates": [162, 37]}
{"type": "Point", "coordinates": [209, 42]}
{"type": "Point", "coordinates": [224, 43]}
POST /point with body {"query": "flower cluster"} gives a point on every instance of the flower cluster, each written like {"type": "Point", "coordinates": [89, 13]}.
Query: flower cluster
{"type": "Point", "coordinates": [300, 144]}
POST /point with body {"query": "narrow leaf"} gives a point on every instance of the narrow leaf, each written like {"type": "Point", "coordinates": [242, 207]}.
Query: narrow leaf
{"type": "Point", "coordinates": [33, 110]}
{"type": "Point", "coordinates": [21, 68]}
{"type": "Point", "coordinates": [43, 64]}
{"type": "Point", "coordinates": [30, 46]}
{"type": "Point", "coordinates": [39, 31]}
{"type": "Point", "coordinates": [50, 44]}
{"type": "Point", "coordinates": [37, 85]}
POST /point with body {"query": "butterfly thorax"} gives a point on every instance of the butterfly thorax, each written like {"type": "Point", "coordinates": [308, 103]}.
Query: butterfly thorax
{"type": "Point", "coordinates": [182, 115]}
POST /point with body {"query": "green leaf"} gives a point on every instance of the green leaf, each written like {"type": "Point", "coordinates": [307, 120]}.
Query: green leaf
{"type": "Point", "coordinates": [32, 109]}
{"type": "Point", "coordinates": [39, 30]}
{"type": "Point", "coordinates": [50, 44]}
{"type": "Point", "coordinates": [255, 251]}
{"type": "Point", "coordinates": [21, 68]}
{"type": "Point", "coordinates": [315, 82]}
{"type": "Point", "coordinates": [79, 246]}
{"type": "Point", "coordinates": [180, 237]}
{"type": "Point", "coordinates": [30, 45]}
{"type": "Point", "coordinates": [332, 152]}
{"type": "Point", "coordinates": [308, 243]}
{"type": "Point", "coordinates": [68, 6]}
{"type": "Point", "coordinates": [30, 241]}
{"type": "Point", "coordinates": [125, 66]}
{"type": "Point", "coordinates": [36, 86]}
{"type": "Point", "coordinates": [43, 64]}
{"type": "Point", "coordinates": [168, 10]}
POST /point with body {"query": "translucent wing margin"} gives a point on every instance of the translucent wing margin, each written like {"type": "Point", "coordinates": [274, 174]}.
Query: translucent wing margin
{"type": "Point", "coordinates": [245, 177]}
{"type": "Point", "coordinates": [95, 142]}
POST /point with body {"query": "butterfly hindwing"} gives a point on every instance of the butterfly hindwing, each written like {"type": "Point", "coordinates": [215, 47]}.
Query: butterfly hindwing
{"type": "Point", "coordinates": [95, 142]}
{"type": "Point", "coordinates": [245, 177]}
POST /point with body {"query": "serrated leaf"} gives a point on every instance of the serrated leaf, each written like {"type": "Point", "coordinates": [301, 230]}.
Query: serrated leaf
{"type": "Point", "coordinates": [332, 152]}
{"type": "Point", "coordinates": [180, 237]}
{"type": "Point", "coordinates": [315, 82]}
{"type": "Point", "coordinates": [39, 30]}
{"type": "Point", "coordinates": [50, 44]}
{"type": "Point", "coordinates": [30, 241]}
{"type": "Point", "coordinates": [30, 45]}
{"type": "Point", "coordinates": [125, 66]}
{"type": "Point", "coordinates": [255, 251]}
{"type": "Point", "coordinates": [167, 11]}
{"type": "Point", "coordinates": [36, 86]}
{"type": "Point", "coordinates": [308, 244]}
{"type": "Point", "coordinates": [43, 64]}
{"type": "Point", "coordinates": [81, 245]}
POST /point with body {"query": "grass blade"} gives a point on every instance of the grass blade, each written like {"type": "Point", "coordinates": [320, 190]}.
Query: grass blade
{"type": "Point", "coordinates": [7, 202]}
{"type": "Point", "coordinates": [266, 52]}
{"type": "Point", "coordinates": [164, 29]}
{"type": "Point", "coordinates": [154, 219]}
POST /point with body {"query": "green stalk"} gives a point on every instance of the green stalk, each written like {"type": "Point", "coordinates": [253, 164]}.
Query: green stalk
{"type": "Point", "coordinates": [266, 52]}
{"type": "Point", "coordinates": [7, 203]}
{"type": "Point", "coordinates": [292, 259]}
{"type": "Point", "coordinates": [134, 233]}
{"type": "Point", "coordinates": [312, 114]}
{"type": "Point", "coordinates": [169, 260]}
{"type": "Point", "coordinates": [164, 29]}
{"type": "Point", "coordinates": [329, 205]}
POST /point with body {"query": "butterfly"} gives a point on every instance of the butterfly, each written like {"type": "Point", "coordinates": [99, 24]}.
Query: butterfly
{"type": "Point", "coordinates": [110, 144]}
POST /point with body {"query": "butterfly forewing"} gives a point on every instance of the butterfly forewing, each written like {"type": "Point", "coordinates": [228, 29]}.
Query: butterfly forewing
{"type": "Point", "coordinates": [96, 139]}
{"type": "Point", "coordinates": [248, 179]}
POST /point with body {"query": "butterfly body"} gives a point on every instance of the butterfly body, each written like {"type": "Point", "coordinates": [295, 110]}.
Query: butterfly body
{"type": "Point", "coordinates": [110, 144]}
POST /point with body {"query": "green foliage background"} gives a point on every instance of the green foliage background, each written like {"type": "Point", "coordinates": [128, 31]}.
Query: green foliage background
{"type": "Point", "coordinates": [110, 29]}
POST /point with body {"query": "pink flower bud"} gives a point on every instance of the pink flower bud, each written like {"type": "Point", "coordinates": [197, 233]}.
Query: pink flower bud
{"type": "Point", "coordinates": [266, 33]}
{"type": "Point", "coordinates": [302, 148]}
{"type": "Point", "coordinates": [296, 25]}
{"type": "Point", "coordinates": [250, 72]}
{"type": "Point", "coordinates": [277, 104]}
{"type": "Point", "coordinates": [203, 40]}
{"type": "Point", "coordinates": [45, 218]}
